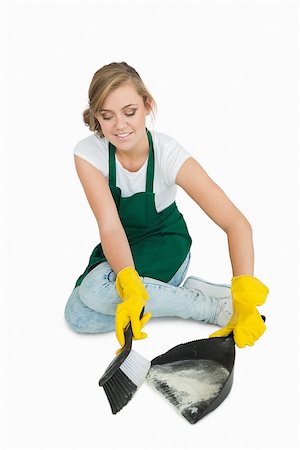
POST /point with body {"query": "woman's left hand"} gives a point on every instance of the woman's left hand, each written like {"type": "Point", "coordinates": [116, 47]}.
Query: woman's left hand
{"type": "Point", "coordinates": [246, 323]}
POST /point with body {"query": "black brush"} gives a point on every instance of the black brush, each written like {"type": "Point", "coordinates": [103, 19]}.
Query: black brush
{"type": "Point", "coordinates": [125, 374]}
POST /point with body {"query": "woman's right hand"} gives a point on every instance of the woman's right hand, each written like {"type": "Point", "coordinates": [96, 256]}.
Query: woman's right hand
{"type": "Point", "coordinates": [134, 295]}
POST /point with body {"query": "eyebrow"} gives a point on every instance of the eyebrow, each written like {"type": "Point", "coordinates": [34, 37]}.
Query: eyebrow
{"type": "Point", "coordinates": [131, 104]}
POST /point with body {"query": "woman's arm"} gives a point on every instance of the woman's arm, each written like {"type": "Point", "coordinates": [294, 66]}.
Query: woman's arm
{"type": "Point", "coordinates": [116, 249]}
{"type": "Point", "coordinates": [213, 201]}
{"type": "Point", "coordinates": [112, 234]}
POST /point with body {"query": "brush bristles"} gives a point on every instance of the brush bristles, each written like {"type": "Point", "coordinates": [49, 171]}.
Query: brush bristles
{"type": "Point", "coordinates": [120, 388]}
{"type": "Point", "coordinates": [136, 367]}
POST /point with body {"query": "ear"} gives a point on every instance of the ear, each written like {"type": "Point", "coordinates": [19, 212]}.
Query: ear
{"type": "Point", "coordinates": [148, 106]}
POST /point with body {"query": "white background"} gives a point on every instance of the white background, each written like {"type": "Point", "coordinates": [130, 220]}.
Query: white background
{"type": "Point", "coordinates": [225, 78]}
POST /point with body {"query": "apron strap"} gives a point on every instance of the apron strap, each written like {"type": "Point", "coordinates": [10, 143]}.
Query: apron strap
{"type": "Point", "coordinates": [112, 166]}
{"type": "Point", "coordinates": [150, 165]}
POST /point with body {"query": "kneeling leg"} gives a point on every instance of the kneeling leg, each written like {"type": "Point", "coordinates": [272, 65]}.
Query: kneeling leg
{"type": "Point", "coordinates": [85, 320]}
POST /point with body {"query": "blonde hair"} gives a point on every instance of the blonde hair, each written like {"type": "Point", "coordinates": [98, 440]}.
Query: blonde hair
{"type": "Point", "coordinates": [105, 80]}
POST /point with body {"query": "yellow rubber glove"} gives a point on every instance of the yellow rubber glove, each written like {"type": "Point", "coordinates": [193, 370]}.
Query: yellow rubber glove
{"type": "Point", "coordinates": [134, 295]}
{"type": "Point", "coordinates": [246, 323]}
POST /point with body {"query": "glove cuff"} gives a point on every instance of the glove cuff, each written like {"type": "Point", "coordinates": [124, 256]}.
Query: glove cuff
{"type": "Point", "coordinates": [129, 276]}
{"type": "Point", "coordinates": [248, 289]}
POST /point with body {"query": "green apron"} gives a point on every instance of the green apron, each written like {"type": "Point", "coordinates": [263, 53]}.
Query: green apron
{"type": "Point", "coordinates": [159, 242]}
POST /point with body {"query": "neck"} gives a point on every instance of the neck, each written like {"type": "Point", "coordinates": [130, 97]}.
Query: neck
{"type": "Point", "coordinates": [136, 153]}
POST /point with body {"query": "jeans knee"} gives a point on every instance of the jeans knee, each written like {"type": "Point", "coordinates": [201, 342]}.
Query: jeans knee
{"type": "Point", "coordinates": [83, 319]}
{"type": "Point", "coordinates": [84, 291]}
{"type": "Point", "coordinates": [92, 289]}
{"type": "Point", "coordinates": [75, 313]}
{"type": "Point", "coordinates": [72, 323]}
{"type": "Point", "coordinates": [73, 319]}
{"type": "Point", "coordinates": [100, 296]}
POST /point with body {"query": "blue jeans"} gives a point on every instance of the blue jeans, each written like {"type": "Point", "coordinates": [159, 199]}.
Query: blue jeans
{"type": "Point", "coordinates": [91, 306]}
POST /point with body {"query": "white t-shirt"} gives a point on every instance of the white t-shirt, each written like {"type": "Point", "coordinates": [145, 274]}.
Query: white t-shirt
{"type": "Point", "coordinates": [169, 156]}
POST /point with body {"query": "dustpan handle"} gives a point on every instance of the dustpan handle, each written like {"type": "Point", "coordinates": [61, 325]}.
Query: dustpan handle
{"type": "Point", "coordinates": [231, 334]}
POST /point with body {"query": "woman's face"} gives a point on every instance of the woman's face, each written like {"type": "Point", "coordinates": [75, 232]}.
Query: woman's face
{"type": "Point", "coordinates": [123, 113]}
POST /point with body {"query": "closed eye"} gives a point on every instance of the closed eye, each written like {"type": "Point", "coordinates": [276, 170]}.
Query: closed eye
{"type": "Point", "coordinates": [108, 118]}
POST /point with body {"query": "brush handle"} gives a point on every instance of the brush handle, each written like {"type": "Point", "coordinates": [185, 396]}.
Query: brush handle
{"type": "Point", "coordinates": [128, 332]}
{"type": "Point", "coordinates": [119, 359]}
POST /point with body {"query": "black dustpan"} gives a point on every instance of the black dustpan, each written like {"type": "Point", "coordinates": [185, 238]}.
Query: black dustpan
{"type": "Point", "coordinates": [196, 376]}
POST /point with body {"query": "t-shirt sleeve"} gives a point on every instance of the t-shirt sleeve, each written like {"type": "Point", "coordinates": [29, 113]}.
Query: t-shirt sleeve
{"type": "Point", "coordinates": [174, 155]}
{"type": "Point", "coordinates": [93, 153]}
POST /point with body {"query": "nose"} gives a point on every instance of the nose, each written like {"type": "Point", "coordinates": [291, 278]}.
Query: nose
{"type": "Point", "coordinates": [120, 122]}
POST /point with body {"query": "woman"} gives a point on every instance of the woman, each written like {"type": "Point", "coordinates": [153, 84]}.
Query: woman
{"type": "Point", "coordinates": [129, 176]}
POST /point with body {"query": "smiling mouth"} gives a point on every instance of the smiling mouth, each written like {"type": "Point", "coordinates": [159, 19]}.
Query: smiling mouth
{"type": "Point", "coordinates": [123, 135]}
